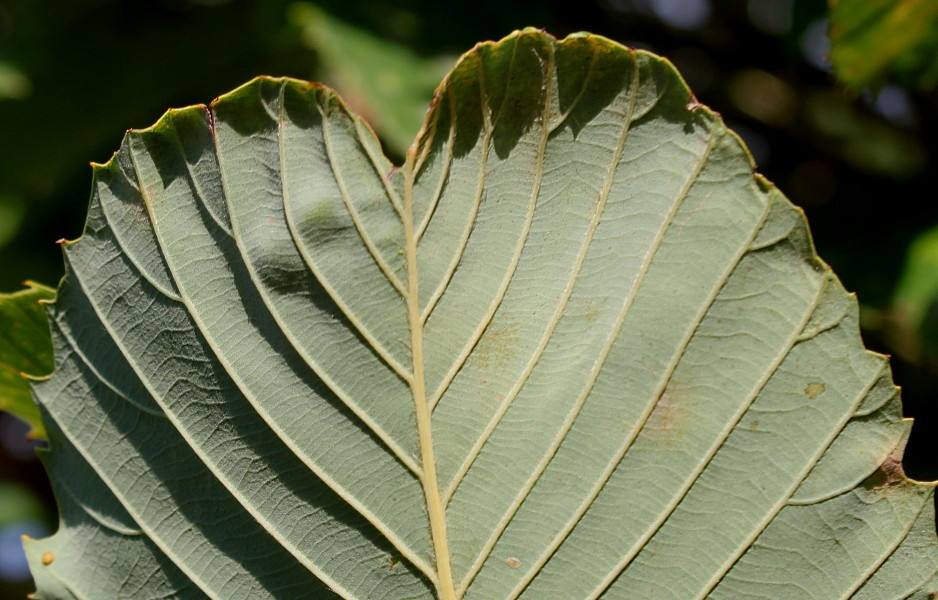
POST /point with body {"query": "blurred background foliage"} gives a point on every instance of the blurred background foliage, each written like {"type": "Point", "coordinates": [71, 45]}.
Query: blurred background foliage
{"type": "Point", "coordinates": [856, 153]}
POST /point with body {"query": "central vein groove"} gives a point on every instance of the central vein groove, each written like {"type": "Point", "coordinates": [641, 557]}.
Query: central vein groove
{"type": "Point", "coordinates": [431, 488]}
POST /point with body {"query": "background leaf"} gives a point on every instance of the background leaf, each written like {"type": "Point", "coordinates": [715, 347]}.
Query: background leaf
{"type": "Point", "coordinates": [913, 317]}
{"type": "Point", "coordinates": [571, 348]}
{"type": "Point", "coordinates": [385, 82]}
{"type": "Point", "coordinates": [25, 347]}
{"type": "Point", "coordinates": [872, 40]}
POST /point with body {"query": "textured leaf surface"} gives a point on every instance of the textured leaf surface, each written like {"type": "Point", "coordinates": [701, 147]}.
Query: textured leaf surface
{"type": "Point", "coordinates": [25, 348]}
{"type": "Point", "coordinates": [573, 348]}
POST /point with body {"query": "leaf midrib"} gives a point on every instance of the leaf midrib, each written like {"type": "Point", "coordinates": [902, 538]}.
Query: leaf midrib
{"type": "Point", "coordinates": [435, 509]}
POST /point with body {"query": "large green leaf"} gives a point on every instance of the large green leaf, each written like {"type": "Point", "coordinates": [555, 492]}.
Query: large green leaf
{"type": "Point", "coordinates": [25, 348]}
{"type": "Point", "coordinates": [573, 348]}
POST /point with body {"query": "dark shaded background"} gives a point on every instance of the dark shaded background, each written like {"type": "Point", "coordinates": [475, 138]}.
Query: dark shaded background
{"type": "Point", "coordinates": [75, 74]}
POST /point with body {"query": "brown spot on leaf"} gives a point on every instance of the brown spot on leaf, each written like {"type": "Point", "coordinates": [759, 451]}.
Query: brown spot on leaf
{"type": "Point", "coordinates": [889, 474]}
{"type": "Point", "coordinates": [814, 389]}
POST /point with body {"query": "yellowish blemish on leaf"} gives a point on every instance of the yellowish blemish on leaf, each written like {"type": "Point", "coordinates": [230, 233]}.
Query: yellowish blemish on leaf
{"type": "Point", "coordinates": [671, 418]}
{"type": "Point", "coordinates": [513, 562]}
{"type": "Point", "coordinates": [813, 390]}
{"type": "Point", "coordinates": [497, 345]}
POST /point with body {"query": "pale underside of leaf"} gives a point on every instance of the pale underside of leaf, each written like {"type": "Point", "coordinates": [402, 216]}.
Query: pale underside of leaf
{"type": "Point", "coordinates": [572, 348]}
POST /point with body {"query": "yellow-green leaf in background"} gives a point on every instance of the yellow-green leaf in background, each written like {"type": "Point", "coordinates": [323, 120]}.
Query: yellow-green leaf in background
{"type": "Point", "coordinates": [386, 83]}
{"type": "Point", "coordinates": [915, 303]}
{"type": "Point", "coordinates": [25, 347]}
{"type": "Point", "coordinates": [872, 40]}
